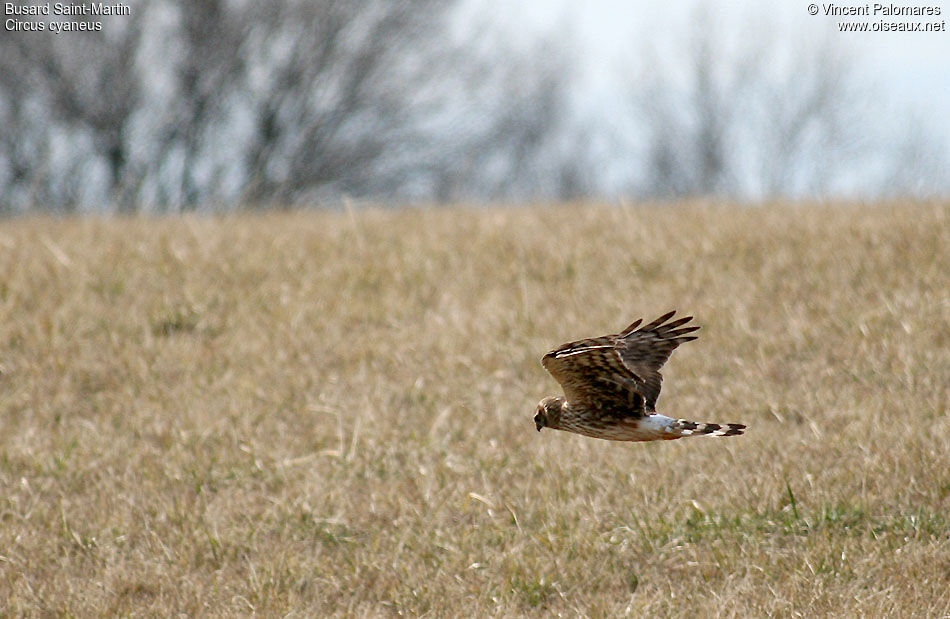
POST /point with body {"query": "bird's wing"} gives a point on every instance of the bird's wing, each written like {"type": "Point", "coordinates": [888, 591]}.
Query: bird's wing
{"type": "Point", "coordinates": [594, 376]}
{"type": "Point", "coordinates": [646, 349]}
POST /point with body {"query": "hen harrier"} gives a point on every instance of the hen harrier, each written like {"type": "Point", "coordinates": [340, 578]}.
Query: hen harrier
{"type": "Point", "coordinates": [611, 384]}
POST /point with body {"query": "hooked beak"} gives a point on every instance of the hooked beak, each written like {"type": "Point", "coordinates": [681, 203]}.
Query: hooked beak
{"type": "Point", "coordinates": [538, 422]}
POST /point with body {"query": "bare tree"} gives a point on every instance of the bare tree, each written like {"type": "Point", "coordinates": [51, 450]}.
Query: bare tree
{"type": "Point", "coordinates": [291, 98]}
{"type": "Point", "coordinates": [511, 133]}
{"type": "Point", "coordinates": [224, 102]}
{"type": "Point", "coordinates": [207, 71]}
{"type": "Point", "coordinates": [278, 103]}
{"type": "Point", "coordinates": [806, 120]}
{"type": "Point", "coordinates": [85, 84]}
{"type": "Point", "coordinates": [339, 88]}
{"type": "Point", "coordinates": [383, 102]}
{"type": "Point", "coordinates": [750, 117]}
{"type": "Point", "coordinates": [689, 116]}
{"type": "Point", "coordinates": [24, 143]}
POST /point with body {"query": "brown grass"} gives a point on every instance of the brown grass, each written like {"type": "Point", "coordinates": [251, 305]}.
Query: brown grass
{"type": "Point", "coordinates": [321, 413]}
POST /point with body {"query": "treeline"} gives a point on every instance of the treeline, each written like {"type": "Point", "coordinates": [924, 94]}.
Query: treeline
{"type": "Point", "coordinates": [216, 104]}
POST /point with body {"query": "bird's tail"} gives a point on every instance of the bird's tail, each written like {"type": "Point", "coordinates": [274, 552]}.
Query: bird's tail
{"type": "Point", "coordinates": [683, 427]}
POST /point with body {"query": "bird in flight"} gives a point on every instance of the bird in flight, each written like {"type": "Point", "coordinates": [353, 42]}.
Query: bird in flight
{"type": "Point", "coordinates": [611, 385]}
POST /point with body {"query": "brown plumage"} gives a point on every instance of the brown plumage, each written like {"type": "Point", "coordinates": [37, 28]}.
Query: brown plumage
{"type": "Point", "coordinates": [611, 385]}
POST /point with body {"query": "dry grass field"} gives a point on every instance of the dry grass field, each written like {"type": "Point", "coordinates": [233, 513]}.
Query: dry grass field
{"type": "Point", "coordinates": [331, 413]}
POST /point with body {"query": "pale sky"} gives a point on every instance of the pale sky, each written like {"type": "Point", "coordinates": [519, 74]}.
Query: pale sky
{"type": "Point", "coordinates": [910, 70]}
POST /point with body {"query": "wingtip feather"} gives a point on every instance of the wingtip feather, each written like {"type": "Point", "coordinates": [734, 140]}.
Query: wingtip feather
{"type": "Point", "coordinates": [676, 323]}
{"type": "Point", "coordinates": [632, 326]}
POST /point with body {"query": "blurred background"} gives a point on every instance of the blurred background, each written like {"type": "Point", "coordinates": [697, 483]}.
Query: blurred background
{"type": "Point", "coordinates": [217, 105]}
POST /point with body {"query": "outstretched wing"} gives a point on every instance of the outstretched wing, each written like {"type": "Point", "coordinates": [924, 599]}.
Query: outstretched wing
{"type": "Point", "coordinates": [646, 349]}
{"type": "Point", "coordinates": [595, 377]}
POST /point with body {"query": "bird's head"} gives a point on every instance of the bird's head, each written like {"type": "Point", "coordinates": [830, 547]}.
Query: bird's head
{"type": "Point", "coordinates": [549, 413]}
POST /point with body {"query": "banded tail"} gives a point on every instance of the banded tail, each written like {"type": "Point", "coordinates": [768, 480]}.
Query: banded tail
{"type": "Point", "coordinates": [683, 428]}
